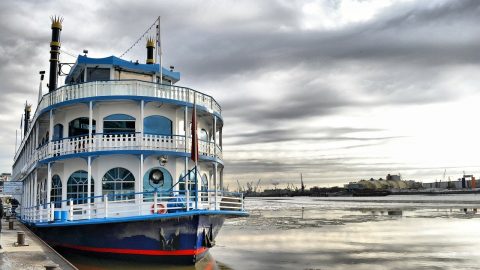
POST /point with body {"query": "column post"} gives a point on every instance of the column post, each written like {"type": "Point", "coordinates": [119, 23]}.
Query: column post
{"type": "Point", "coordinates": [142, 115]}
{"type": "Point", "coordinates": [35, 188]}
{"type": "Point", "coordinates": [215, 156]}
{"type": "Point", "coordinates": [49, 181]}
{"type": "Point", "coordinates": [140, 178]}
{"type": "Point", "coordinates": [89, 184]}
{"type": "Point", "coordinates": [50, 130]}
{"type": "Point", "coordinates": [141, 127]}
{"type": "Point", "coordinates": [90, 125]}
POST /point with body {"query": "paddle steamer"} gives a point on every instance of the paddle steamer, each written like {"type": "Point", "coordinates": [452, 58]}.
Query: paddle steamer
{"type": "Point", "coordinates": [122, 162]}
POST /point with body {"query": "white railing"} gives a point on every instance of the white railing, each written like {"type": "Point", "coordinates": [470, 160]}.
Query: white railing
{"type": "Point", "coordinates": [122, 88]}
{"type": "Point", "coordinates": [133, 204]}
{"type": "Point", "coordinates": [112, 142]}
{"type": "Point", "coordinates": [127, 88]}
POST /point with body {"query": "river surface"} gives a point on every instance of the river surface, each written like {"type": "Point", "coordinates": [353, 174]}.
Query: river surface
{"type": "Point", "coordinates": [393, 232]}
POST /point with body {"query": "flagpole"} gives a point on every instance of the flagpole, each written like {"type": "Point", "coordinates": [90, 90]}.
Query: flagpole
{"type": "Point", "coordinates": [194, 150]}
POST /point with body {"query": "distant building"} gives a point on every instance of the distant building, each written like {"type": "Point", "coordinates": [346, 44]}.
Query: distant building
{"type": "Point", "coordinates": [391, 182]}
{"type": "Point", "coordinates": [5, 177]}
{"type": "Point", "coordinates": [466, 182]}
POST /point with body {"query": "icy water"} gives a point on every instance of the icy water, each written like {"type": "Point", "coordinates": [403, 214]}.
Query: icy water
{"type": "Point", "coordinates": [393, 232]}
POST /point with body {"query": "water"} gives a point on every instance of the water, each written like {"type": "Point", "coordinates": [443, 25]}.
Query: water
{"type": "Point", "coordinates": [394, 232]}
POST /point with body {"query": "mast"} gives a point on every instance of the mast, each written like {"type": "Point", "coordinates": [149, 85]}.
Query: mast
{"type": "Point", "coordinates": [159, 50]}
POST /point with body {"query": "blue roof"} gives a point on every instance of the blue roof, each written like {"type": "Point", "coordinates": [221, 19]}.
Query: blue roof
{"type": "Point", "coordinates": [115, 61]}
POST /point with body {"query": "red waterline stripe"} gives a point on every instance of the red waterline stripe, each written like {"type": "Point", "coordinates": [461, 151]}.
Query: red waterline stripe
{"type": "Point", "coordinates": [184, 252]}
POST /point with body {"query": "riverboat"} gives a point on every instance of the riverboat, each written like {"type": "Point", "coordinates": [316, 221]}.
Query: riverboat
{"type": "Point", "coordinates": [121, 162]}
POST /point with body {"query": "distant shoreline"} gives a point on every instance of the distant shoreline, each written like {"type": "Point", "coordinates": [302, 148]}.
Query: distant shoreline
{"type": "Point", "coordinates": [363, 194]}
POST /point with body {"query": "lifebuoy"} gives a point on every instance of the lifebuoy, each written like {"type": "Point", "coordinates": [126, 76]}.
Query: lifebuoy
{"type": "Point", "coordinates": [161, 208]}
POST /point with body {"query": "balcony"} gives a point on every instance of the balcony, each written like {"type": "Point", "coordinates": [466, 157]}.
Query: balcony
{"type": "Point", "coordinates": [122, 88]}
{"type": "Point", "coordinates": [120, 142]}
{"type": "Point", "coordinates": [132, 88]}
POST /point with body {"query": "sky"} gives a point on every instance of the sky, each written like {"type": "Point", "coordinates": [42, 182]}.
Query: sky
{"type": "Point", "coordinates": [336, 90]}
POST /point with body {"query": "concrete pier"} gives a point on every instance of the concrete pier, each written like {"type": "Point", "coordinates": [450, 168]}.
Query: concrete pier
{"type": "Point", "coordinates": [34, 255]}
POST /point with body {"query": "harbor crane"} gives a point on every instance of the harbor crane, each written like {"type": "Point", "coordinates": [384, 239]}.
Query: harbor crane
{"type": "Point", "coordinates": [256, 187]}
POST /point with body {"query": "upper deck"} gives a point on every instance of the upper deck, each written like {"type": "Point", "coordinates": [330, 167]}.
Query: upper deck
{"type": "Point", "coordinates": [113, 79]}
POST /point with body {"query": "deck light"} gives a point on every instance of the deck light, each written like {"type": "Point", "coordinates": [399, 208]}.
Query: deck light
{"type": "Point", "coordinates": [156, 177]}
{"type": "Point", "coordinates": [163, 160]}
{"type": "Point", "coordinates": [42, 75]}
{"type": "Point", "coordinates": [85, 52]}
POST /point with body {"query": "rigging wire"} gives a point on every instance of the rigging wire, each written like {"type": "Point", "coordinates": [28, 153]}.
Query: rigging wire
{"type": "Point", "coordinates": [68, 53]}
{"type": "Point", "coordinates": [140, 38]}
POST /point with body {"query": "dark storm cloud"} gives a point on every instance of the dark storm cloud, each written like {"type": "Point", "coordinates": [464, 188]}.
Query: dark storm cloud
{"type": "Point", "coordinates": [299, 135]}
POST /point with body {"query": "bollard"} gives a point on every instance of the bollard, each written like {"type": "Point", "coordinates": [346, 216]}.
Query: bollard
{"type": "Point", "coordinates": [10, 225]}
{"type": "Point", "coordinates": [21, 238]}
{"type": "Point", "coordinates": [51, 267]}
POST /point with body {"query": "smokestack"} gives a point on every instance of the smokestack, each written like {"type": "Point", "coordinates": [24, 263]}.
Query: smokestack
{"type": "Point", "coordinates": [150, 47]}
{"type": "Point", "coordinates": [26, 120]}
{"type": "Point", "coordinates": [54, 52]}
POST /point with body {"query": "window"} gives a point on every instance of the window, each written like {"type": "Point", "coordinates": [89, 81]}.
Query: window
{"type": "Point", "coordinates": [191, 181]}
{"type": "Point", "coordinates": [118, 123]}
{"type": "Point", "coordinates": [203, 135]}
{"type": "Point", "coordinates": [58, 132]}
{"type": "Point", "coordinates": [118, 181]}
{"type": "Point", "coordinates": [164, 184]}
{"type": "Point", "coordinates": [41, 192]}
{"type": "Point", "coordinates": [158, 125]}
{"type": "Point", "coordinates": [204, 188]}
{"type": "Point", "coordinates": [56, 192]}
{"type": "Point", "coordinates": [98, 74]}
{"type": "Point", "coordinates": [77, 187]}
{"type": "Point", "coordinates": [79, 126]}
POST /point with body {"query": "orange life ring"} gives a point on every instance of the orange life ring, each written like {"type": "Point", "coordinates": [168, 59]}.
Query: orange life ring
{"type": "Point", "coordinates": [161, 209]}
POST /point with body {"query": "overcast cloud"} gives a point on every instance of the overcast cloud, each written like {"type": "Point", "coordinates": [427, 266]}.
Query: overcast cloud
{"type": "Point", "coordinates": [336, 90]}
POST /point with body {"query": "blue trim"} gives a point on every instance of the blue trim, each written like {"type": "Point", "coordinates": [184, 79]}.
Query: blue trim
{"type": "Point", "coordinates": [119, 117]}
{"type": "Point", "coordinates": [139, 218]}
{"type": "Point", "coordinates": [126, 152]}
{"type": "Point", "coordinates": [118, 62]}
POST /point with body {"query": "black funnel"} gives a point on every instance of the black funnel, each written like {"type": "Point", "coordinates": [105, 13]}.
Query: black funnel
{"type": "Point", "coordinates": [54, 53]}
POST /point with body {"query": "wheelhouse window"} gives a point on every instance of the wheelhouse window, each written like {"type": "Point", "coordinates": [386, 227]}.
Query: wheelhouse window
{"type": "Point", "coordinates": [56, 192]}
{"type": "Point", "coordinates": [118, 181]}
{"type": "Point", "coordinates": [77, 187]}
{"type": "Point", "coordinates": [157, 125]}
{"type": "Point", "coordinates": [98, 74]}
{"type": "Point", "coordinates": [79, 126]}
{"type": "Point", "coordinates": [118, 123]}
